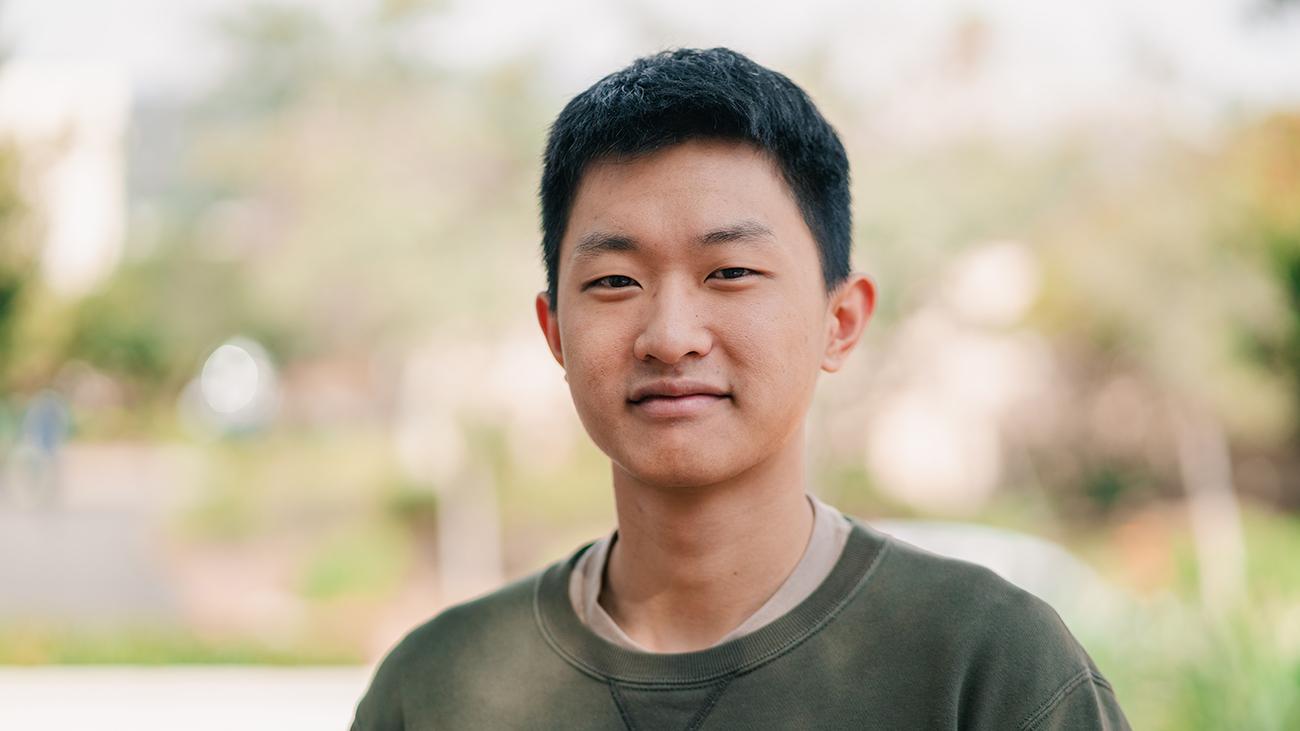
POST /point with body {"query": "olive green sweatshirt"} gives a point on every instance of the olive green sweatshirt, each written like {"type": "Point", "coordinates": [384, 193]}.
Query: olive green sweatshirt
{"type": "Point", "coordinates": [895, 637]}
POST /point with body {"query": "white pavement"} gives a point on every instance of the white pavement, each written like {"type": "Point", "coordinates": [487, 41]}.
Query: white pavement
{"type": "Point", "coordinates": [203, 698]}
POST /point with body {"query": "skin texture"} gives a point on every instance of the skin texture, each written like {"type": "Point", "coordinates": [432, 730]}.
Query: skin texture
{"type": "Point", "coordinates": [711, 509]}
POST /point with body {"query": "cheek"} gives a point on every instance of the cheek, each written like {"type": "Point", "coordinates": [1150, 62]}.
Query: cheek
{"type": "Point", "coordinates": [592, 355]}
{"type": "Point", "coordinates": [776, 347]}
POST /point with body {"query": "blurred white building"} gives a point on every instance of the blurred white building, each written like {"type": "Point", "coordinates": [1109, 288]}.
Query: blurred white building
{"type": "Point", "coordinates": [69, 125]}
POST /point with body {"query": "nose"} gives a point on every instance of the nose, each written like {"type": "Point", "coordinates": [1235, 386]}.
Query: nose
{"type": "Point", "coordinates": [675, 327]}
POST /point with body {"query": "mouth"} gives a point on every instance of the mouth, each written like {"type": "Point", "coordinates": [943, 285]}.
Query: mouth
{"type": "Point", "coordinates": [685, 405]}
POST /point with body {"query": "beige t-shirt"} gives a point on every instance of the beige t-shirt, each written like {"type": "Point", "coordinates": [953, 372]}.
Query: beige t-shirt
{"type": "Point", "coordinates": [829, 534]}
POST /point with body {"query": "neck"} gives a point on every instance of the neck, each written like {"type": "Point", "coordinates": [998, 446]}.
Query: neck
{"type": "Point", "coordinates": [690, 564]}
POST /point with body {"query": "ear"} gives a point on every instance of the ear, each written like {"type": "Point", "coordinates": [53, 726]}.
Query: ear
{"type": "Point", "coordinates": [847, 313]}
{"type": "Point", "coordinates": [546, 317]}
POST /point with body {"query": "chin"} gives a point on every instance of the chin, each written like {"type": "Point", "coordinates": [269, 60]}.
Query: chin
{"type": "Point", "coordinates": [678, 469]}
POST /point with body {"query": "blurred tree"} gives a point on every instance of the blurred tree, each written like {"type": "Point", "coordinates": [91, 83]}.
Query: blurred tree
{"type": "Point", "coordinates": [155, 320]}
{"type": "Point", "coordinates": [1263, 186]}
{"type": "Point", "coordinates": [17, 260]}
{"type": "Point", "coordinates": [279, 53]}
{"type": "Point", "coordinates": [369, 197]}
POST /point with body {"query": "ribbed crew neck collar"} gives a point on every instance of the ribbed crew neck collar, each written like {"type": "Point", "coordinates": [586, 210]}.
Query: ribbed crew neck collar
{"type": "Point", "coordinates": [600, 658]}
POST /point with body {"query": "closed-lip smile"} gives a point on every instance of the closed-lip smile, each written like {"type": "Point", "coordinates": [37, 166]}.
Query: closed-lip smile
{"type": "Point", "coordinates": [676, 399]}
{"type": "Point", "coordinates": [675, 389]}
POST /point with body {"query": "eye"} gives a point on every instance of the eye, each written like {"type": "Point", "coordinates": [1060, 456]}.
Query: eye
{"type": "Point", "coordinates": [735, 272]}
{"type": "Point", "coordinates": [616, 281]}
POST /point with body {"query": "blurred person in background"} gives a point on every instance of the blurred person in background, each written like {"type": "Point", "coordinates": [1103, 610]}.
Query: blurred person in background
{"type": "Point", "coordinates": [33, 460]}
{"type": "Point", "coordinates": [8, 438]}
{"type": "Point", "coordinates": [696, 236]}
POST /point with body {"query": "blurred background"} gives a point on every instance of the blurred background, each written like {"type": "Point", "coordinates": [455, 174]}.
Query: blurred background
{"type": "Point", "coordinates": [272, 391]}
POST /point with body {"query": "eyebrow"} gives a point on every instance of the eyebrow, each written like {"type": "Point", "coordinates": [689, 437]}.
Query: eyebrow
{"type": "Point", "coordinates": [595, 243]}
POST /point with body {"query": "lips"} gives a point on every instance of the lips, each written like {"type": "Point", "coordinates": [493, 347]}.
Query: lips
{"type": "Point", "coordinates": [671, 407]}
{"type": "Point", "coordinates": [679, 388]}
{"type": "Point", "coordinates": [676, 398]}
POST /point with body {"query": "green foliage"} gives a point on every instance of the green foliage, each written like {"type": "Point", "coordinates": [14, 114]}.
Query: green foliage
{"type": "Point", "coordinates": [366, 561]}
{"type": "Point", "coordinates": [1178, 666]}
{"type": "Point", "coordinates": [1107, 486]}
{"type": "Point", "coordinates": [122, 339]}
{"type": "Point", "coordinates": [413, 504]}
{"type": "Point", "coordinates": [280, 51]}
{"type": "Point", "coordinates": [290, 480]}
{"type": "Point", "coordinates": [11, 286]}
{"type": "Point", "coordinates": [1272, 545]}
{"type": "Point", "coordinates": [1174, 668]}
{"type": "Point", "coordinates": [1262, 162]}
{"type": "Point", "coordinates": [155, 319]}
{"type": "Point", "coordinates": [17, 264]}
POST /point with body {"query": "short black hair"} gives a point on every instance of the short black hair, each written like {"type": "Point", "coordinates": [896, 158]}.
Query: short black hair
{"type": "Point", "coordinates": [676, 95]}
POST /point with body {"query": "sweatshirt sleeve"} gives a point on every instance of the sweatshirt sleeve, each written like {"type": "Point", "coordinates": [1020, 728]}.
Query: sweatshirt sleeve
{"type": "Point", "coordinates": [1027, 671]}
{"type": "Point", "coordinates": [380, 709]}
{"type": "Point", "coordinates": [1086, 703]}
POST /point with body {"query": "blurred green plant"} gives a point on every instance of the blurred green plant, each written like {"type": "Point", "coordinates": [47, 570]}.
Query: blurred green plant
{"type": "Point", "coordinates": [290, 481]}
{"type": "Point", "coordinates": [1177, 666]}
{"type": "Point", "coordinates": [17, 259]}
{"type": "Point", "coordinates": [368, 560]}
{"type": "Point", "coordinates": [1108, 486]}
{"type": "Point", "coordinates": [414, 504]}
{"type": "Point", "coordinates": [1263, 187]}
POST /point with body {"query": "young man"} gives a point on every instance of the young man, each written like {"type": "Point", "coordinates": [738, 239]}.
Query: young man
{"type": "Point", "coordinates": [695, 208]}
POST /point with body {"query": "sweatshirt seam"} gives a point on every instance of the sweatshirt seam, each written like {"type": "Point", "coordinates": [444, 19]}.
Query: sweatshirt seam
{"type": "Point", "coordinates": [754, 664]}
{"type": "Point", "coordinates": [553, 643]}
{"type": "Point", "coordinates": [1052, 702]}
{"type": "Point", "coordinates": [618, 702]}
{"type": "Point", "coordinates": [695, 722]}
{"type": "Point", "coordinates": [710, 703]}
{"type": "Point", "coordinates": [821, 624]}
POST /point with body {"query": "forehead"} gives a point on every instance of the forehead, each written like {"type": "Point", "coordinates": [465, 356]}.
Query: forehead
{"type": "Point", "coordinates": [694, 191]}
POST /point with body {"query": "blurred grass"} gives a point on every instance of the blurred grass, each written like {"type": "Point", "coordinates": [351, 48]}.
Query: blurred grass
{"type": "Point", "coordinates": [1174, 667]}
{"type": "Point", "coordinates": [1177, 666]}
{"type": "Point", "coordinates": [46, 644]}
{"type": "Point", "coordinates": [367, 560]}
{"type": "Point", "coordinates": [291, 481]}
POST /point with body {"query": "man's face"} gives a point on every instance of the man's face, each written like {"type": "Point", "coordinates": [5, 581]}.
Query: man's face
{"type": "Point", "coordinates": [690, 269]}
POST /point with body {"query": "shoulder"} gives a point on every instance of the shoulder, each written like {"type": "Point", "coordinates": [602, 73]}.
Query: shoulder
{"type": "Point", "coordinates": [475, 633]}
{"type": "Point", "coordinates": [966, 595]}
{"type": "Point", "coordinates": [468, 625]}
{"type": "Point", "coordinates": [967, 598]}
{"type": "Point", "coordinates": [1012, 656]}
